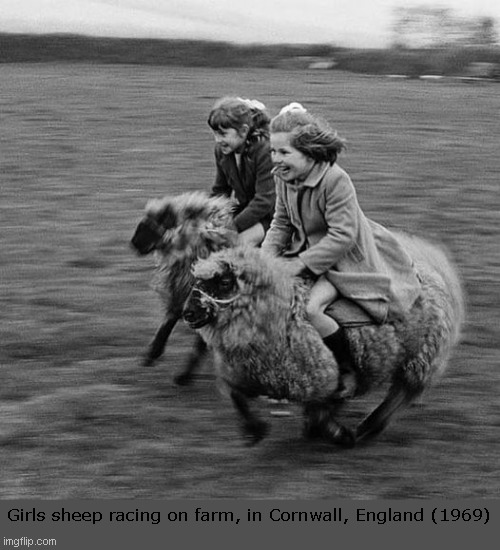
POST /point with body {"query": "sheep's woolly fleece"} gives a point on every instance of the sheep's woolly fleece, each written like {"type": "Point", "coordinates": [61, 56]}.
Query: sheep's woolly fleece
{"type": "Point", "coordinates": [268, 346]}
{"type": "Point", "coordinates": [202, 225]}
{"type": "Point", "coordinates": [194, 206]}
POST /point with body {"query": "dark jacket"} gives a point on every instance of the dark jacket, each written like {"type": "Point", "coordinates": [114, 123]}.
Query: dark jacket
{"type": "Point", "coordinates": [253, 185]}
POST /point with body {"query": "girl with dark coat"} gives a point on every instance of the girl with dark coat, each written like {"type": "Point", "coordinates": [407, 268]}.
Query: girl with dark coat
{"type": "Point", "coordinates": [243, 162]}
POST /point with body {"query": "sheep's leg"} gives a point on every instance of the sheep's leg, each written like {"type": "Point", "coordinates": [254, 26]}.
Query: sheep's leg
{"type": "Point", "coordinates": [253, 428]}
{"type": "Point", "coordinates": [159, 341]}
{"type": "Point", "coordinates": [320, 423]}
{"type": "Point", "coordinates": [315, 417]}
{"type": "Point", "coordinates": [398, 397]}
{"type": "Point", "coordinates": [186, 377]}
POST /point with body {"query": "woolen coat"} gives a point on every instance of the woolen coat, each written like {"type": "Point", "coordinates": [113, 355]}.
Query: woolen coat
{"type": "Point", "coordinates": [321, 222]}
{"type": "Point", "coordinates": [252, 183]}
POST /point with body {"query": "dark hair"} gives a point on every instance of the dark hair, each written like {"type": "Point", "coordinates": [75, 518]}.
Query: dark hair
{"type": "Point", "coordinates": [310, 135]}
{"type": "Point", "coordinates": [235, 112]}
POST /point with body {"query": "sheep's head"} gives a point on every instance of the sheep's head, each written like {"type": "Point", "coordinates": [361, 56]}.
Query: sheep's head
{"type": "Point", "coordinates": [153, 226]}
{"type": "Point", "coordinates": [215, 288]}
{"type": "Point", "coordinates": [184, 223]}
{"type": "Point", "coordinates": [236, 279]}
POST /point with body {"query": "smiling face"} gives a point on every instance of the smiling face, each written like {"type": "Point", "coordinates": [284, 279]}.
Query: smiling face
{"type": "Point", "coordinates": [230, 140]}
{"type": "Point", "coordinates": [289, 163]}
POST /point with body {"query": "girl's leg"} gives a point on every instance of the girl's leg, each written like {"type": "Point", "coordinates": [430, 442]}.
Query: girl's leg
{"type": "Point", "coordinates": [253, 236]}
{"type": "Point", "coordinates": [322, 294]}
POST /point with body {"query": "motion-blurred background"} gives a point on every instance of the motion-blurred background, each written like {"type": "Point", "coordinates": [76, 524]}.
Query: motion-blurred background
{"type": "Point", "coordinates": [96, 122]}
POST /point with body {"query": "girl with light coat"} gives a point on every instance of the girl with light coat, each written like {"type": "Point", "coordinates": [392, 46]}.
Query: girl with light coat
{"type": "Point", "coordinates": [319, 224]}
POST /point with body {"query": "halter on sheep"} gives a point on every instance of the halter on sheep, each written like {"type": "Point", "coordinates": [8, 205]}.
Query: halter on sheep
{"type": "Point", "coordinates": [268, 347]}
{"type": "Point", "coordinates": [179, 230]}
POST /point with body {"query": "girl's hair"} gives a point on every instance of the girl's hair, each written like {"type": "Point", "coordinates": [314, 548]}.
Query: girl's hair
{"type": "Point", "coordinates": [234, 112]}
{"type": "Point", "coordinates": [310, 135]}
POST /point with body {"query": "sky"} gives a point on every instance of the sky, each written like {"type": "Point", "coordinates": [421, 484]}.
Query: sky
{"type": "Point", "coordinates": [355, 23]}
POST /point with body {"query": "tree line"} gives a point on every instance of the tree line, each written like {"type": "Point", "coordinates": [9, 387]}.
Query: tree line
{"type": "Point", "coordinates": [443, 60]}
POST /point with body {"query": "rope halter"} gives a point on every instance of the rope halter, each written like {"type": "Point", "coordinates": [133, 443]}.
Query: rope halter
{"type": "Point", "coordinates": [217, 303]}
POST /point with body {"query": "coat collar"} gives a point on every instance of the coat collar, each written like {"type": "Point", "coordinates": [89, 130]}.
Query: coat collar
{"type": "Point", "coordinates": [314, 176]}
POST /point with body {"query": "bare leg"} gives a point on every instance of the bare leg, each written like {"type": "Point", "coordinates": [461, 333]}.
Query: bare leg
{"type": "Point", "coordinates": [323, 293]}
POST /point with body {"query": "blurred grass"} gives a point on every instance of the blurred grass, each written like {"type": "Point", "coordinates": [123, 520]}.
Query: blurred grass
{"type": "Point", "coordinates": [83, 148]}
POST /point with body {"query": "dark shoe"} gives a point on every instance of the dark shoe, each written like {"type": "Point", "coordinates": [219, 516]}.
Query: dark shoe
{"type": "Point", "coordinates": [338, 345]}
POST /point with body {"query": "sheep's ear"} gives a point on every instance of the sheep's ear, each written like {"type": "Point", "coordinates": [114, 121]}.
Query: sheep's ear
{"type": "Point", "coordinates": [246, 276]}
{"type": "Point", "coordinates": [251, 273]}
{"type": "Point", "coordinates": [244, 272]}
{"type": "Point", "coordinates": [163, 211]}
{"type": "Point", "coordinates": [168, 216]}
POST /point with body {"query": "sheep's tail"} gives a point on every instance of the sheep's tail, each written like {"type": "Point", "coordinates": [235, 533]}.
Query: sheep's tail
{"type": "Point", "coordinates": [436, 258]}
{"type": "Point", "coordinates": [430, 339]}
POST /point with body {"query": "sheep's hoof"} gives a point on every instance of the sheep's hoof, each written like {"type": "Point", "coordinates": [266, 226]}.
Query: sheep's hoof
{"type": "Point", "coordinates": [254, 432]}
{"type": "Point", "coordinates": [312, 431]}
{"type": "Point", "coordinates": [348, 387]}
{"type": "Point", "coordinates": [341, 436]}
{"type": "Point", "coordinates": [184, 379]}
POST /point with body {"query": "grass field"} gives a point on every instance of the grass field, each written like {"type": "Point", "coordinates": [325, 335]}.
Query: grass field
{"type": "Point", "coordinates": [82, 149]}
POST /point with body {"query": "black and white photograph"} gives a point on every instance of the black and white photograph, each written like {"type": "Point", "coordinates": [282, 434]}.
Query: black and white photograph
{"type": "Point", "coordinates": [249, 250]}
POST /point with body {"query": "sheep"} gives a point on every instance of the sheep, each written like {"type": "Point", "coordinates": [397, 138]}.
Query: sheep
{"type": "Point", "coordinates": [179, 230]}
{"type": "Point", "coordinates": [252, 314]}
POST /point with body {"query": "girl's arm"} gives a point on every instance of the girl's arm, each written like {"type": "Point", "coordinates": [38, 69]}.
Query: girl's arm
{"type": "Point", "coordinates": [281, 228]}
{"type": "Point", "coordinates": [262, 204]}
{"type": "Point", "coordinates": [341, 216]}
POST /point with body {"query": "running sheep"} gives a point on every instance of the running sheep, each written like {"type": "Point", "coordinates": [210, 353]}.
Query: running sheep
{"type": "Point", "coordinates": [253, 316]}
{"type": "Point", "coordinates": [179, 230]}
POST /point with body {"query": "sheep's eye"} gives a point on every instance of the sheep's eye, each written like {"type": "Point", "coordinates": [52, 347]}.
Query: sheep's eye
{"type": "Point", "coordinates": [219, 286]}
{"type": "Point", "coordinates": [226, 281]}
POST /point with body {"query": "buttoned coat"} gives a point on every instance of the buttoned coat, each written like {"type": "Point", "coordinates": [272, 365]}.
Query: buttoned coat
{"type": "Point", "coordinates": [252, 183]}
{"type": "Point", "coordinates": [321, 222]}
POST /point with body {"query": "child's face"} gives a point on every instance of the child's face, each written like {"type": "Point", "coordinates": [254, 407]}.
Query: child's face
{"type": "Point", "coordinates": [289, 163]}
{"type": "Point", "coordinates": [230, 139]}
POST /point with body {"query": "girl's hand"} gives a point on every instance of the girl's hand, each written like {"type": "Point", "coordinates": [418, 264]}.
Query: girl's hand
{"type": "Point", "coordinates": [295, 267]}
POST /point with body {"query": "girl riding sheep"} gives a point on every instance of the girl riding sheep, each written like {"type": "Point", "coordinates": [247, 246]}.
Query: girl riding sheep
{"type": "Point", "coordinates": [319, 225]}
{"type": "Point", "coordinates": [243, 163]}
